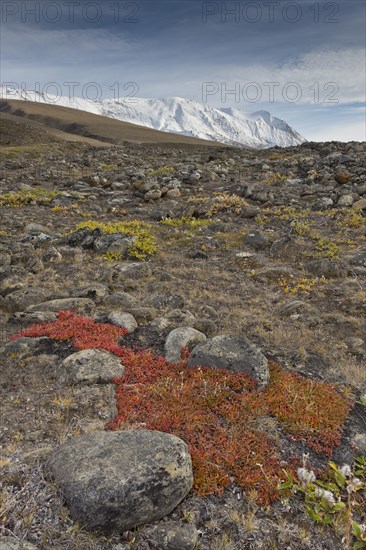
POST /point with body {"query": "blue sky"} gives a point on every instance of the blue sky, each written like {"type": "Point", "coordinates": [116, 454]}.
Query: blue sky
{"type": "Point", "coordinates": [304, 61]}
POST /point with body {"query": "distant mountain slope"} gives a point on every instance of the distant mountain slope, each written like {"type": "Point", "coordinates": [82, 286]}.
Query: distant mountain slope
{"type": "Point", "coordinates": [181, 116]}
{"type": "Point", "coordinates": [65, 123]}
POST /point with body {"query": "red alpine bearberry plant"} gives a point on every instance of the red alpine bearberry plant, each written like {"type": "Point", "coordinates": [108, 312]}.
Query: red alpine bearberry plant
{"type": "Point", "coordinates": [214, 410]}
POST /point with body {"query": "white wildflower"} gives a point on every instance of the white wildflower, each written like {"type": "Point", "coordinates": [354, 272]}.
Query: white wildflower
{"type": "Point", "coordinates": [354, 485]}
{"type": "Point", "coordinates": [305, 476]}
{"type": "Point", "coordinates": [326, 495]}
{"type": "Point", "coordinates": [346, 470]}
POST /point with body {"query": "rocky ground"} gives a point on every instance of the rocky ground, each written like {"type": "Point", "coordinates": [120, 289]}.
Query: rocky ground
{"type": "Point", "coordinates": [266, 244]}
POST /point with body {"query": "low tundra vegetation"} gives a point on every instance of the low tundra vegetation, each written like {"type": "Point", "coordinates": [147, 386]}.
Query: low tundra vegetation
{"type": "Point", "coordinates": [337, 498]}
{"type": "Point", "coordinates": [215, 411]}
{"type": "Point", "coordinates": [26, 196]}
{"type": "Point", "coordinates": [145, 244]}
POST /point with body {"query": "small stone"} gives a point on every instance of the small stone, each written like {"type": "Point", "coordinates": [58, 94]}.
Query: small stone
{"type": "Point", "coordinates": [10, 543]}
{"type": "Point", "coordinates": [173, 193]}
{"type": "Point", "coordinates": [345, 200]}
{"type": "Point", "coordinates": [257, 240]}
{"type": "Point", "coordinates": [289, 308]}
{"type": "Point", "coordinates": [359, 205]}
{"type": "Point", "coordinates": [52, 255]}
{"type": "Point", "coordinates": [180, 318]}
{"type": "Point", "coordinates": [143, 314]}
{"type": "Point", "coordinates": [244, 255]}
{"type": "Point", "coordinates": [206, 326]}
{"type": "Point", "coordinates": [295, 181]}
{"type": "Point", "coordinates": [152, 195]}
{"type": "Point", "coordinates": [323, 203]}
{"type": "Point", "coordinates": [325, 267]}
{"type": "Point", "coordinates": [180, 338]}
{"type": "Point", "coordinates": [133, 270]}
{"type": "Point", "coordinates": [123, 320]}
{"type": "Point", "coordinates": [343, 177]}
{"type": "Point", "coordinates": [95, 291]}
{"type": "Point", "coordinates": [174, 536]}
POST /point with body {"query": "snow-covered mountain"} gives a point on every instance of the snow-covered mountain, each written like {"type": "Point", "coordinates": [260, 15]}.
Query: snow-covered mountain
{"type": "Point", "coordinates": [181, 116]}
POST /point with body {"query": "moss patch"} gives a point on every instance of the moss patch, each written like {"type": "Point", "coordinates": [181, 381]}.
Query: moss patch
{"type": "Point", "coordinates": [24, 197]}
{"type": "Point", "coordinates": [145, 244]}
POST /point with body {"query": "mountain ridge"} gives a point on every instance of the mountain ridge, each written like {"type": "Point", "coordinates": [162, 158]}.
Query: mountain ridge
{"type": "Point", "coordinates": [181, 116]}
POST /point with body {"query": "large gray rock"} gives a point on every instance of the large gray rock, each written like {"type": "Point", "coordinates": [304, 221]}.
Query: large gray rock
{"type": "Point", "coordinates": [20, 299]}
{"type": "Point", "coordinates": [82, 305]}
{"type": "Point", "coordinates": [90, 366]}
{"type": "Point", "coordinates": [114, 481]}
{"type": "Point", "coordinates": [325, 267]}
{"type": "Point", "coordinates": [121, 299]}
{"type": "Point", "coordinates": [23, 346]}
{"type": "Point", "coordinates": [178, 339]}
{"type": "Point", "coordinates": [232, 352]}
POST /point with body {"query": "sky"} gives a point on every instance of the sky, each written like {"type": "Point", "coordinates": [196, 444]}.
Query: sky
{"type": "Point", "coordinates": [304, 61]}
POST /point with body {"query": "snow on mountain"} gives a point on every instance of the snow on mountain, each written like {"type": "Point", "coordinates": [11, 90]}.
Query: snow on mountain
{"type": "Point", "coordinates": [181, 116]}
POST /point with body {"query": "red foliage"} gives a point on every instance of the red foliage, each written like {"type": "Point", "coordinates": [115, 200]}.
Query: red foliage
{"type": "Point", "coordinates": [83, 332]}
{"type": "Point", "coordinates": [215, 411]}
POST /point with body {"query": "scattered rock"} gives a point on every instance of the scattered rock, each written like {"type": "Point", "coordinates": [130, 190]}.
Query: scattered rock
{"type": "Point", "coordinates": [122, 300]}
{"type": "Point", "coordinates": [180, 338]}
{"type": "Point", "coordinates": [325, 267]}
{"type": "Point", "coordinates": [114, 481]}
{"type": "Point", "coordinates": [206, 326]}
{"type": "Point", "coordinates": [359, 205]}
{"type": "Point", "coordinates": [134, 270]}
{"type": "Point", "coordinates": [95, 291]}
{"type": "Point", "coordinates": [343, 177]}
{"type": "Point", "coordinates": [257, 240]}
{"type": "Point", "coordinates": [90, 366]}
{"type": "Point", "coordinates": [23, 298]}
{"type": "Point", "coordinates": [82, 305]}
{"type": "Point", "coordinates": [345, 200]}
{"type": "Point", "coordinates": [173, 193]}
{"type": "Point", "coordinates": [10, 543]}
{"type": "Point", "coordinates": [124, 320]}
{"type": "Point", "coordinates": [23, 346]}
{"type": "Point", "coordinates": [174, 536]}
{"type": "Point", "coordinates": [235, 353]}
{"type": "Point", "coordinates": [143, 314]}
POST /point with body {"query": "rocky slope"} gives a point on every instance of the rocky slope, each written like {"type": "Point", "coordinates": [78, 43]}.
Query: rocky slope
{"type": "Point", "coordinates": [251, 263]}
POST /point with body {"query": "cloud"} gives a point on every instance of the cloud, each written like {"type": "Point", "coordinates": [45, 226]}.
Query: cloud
{"type": "Point", "coordinates": [312, 72]}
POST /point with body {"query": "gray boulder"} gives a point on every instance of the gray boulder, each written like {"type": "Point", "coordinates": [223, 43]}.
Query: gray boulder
{"type": "Point", "coordinates": [90, 366]}
{"type": "Point", "coordinates": [325, 267]}
{"type": "Point", "coordinates": [82, 305]}
{"type": "Point", "coordinates": [23, 346]}
{"type": "Point", "coordinates": [123, 320]}
{"type": "Point", "coordinates": [114, 481]}
{"type": "Point", "coordinates": [178, 339]}
{"type": "Point", "coordinates": [232, 352]}
{"type": "Point", "coordinates": [20, 299]}
{"type": "Point", "coordinates": [257, 240]}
